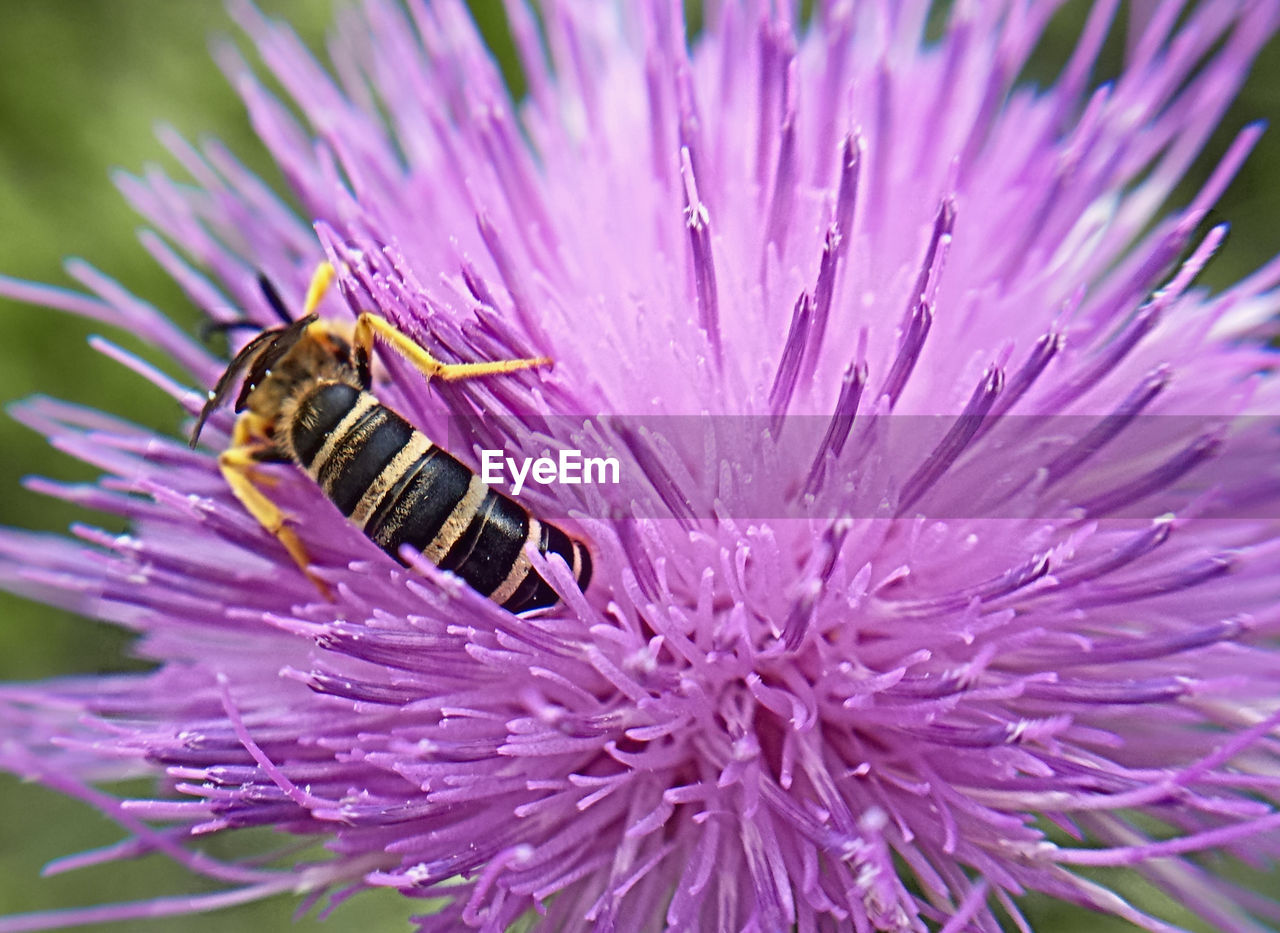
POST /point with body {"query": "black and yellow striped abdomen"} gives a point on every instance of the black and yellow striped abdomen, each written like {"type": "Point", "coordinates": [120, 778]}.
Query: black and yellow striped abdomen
{"type": "Point", "coordinates": [401, 489]}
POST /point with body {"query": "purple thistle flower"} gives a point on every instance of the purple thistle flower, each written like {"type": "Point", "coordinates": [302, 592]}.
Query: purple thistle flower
{"type": "Point", "coordinates": [945, 567]}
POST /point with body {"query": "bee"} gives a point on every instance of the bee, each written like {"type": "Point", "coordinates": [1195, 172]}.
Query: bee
{"type": "Point", "coordinates": [307, 399]}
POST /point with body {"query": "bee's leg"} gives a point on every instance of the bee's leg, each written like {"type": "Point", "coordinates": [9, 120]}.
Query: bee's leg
{"type": "Point", "coordinates": [369, 326]}
{"type": "Point", "coordinates": [250, 446]}
{"type": "Point", "coordinates": [251, 430]}
{"type": "Point", "coordinates": [210, 329]}
{"type": "Point", "coordinates": [321, 280]}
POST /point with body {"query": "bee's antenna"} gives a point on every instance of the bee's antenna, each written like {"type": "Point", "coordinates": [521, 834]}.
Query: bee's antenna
{"type": "Point", "coordinates": [208, 329]}
{"type": "Point", "coordinates": [269, 292]}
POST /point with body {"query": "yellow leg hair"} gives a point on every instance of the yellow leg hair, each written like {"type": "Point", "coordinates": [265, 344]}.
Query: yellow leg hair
{"type": "Point", "coordinates": [370, 326]}
{"type": "Point", "coordinates": [249, 429]}
{"type": "Point", "coordinates": [321, 279]}
{"type": "Point", "coordinates": [237, 463]}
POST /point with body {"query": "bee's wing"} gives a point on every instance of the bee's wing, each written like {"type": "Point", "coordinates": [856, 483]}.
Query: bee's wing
{"type": "Point", "coordinates": [257, 356]}
{"type": "Point", "coordinates": [260, 365]}
{"type": "Point", "coordinates": [223, 387]}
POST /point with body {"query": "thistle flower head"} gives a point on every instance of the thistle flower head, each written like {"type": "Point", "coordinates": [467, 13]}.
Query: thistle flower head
{"type": "Point", "coordinates": [944, 563]}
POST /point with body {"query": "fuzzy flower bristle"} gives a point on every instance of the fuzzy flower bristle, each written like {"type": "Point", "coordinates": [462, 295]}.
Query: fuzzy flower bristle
{"type": "Point", "coordinates": [945, 564]}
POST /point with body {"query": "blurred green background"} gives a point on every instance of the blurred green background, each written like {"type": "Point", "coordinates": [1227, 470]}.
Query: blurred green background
{"type": "Point", "coordinates": [82, 84]}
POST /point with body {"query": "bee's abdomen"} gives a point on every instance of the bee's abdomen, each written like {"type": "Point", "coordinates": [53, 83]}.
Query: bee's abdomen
{"type": "Point", "coordinates": [403, 490]}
